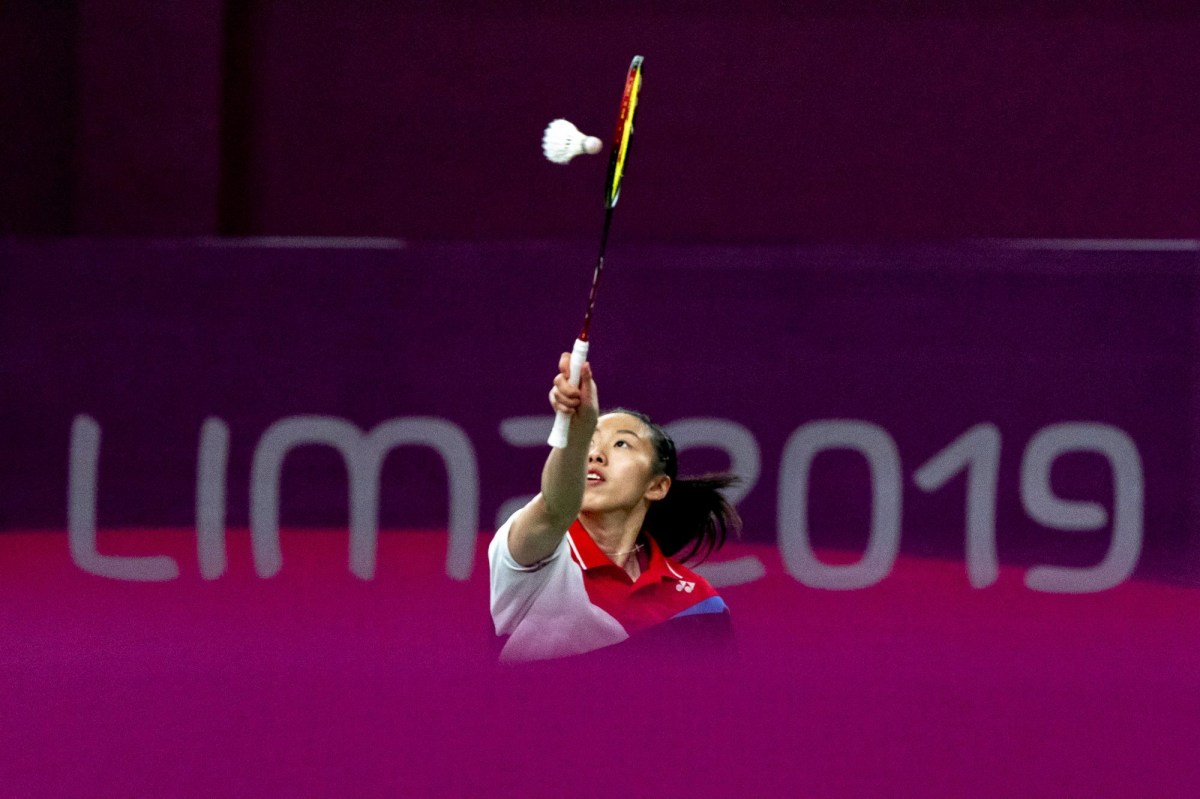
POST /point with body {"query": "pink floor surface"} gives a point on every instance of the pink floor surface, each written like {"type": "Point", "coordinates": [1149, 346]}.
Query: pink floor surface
{"type": "Point", "coordinates": [315, 683]}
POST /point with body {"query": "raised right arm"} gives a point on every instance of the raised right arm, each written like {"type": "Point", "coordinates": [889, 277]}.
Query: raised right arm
{"type": "Point", "coordinates": [539, 527]}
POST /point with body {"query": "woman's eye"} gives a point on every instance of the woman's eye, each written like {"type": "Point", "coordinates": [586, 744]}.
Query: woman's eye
{"type": "Point", "coordinates": [621, 443]}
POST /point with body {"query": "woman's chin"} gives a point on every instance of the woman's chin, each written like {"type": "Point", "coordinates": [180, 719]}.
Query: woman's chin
{"type": "Point", "coordinates": [592, 505]}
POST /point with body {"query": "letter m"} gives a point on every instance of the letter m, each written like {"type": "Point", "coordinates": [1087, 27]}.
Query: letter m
{"type": "Point", "coordinates": [364, 456]}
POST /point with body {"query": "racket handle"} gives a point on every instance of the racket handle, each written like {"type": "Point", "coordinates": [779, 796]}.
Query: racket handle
{"type": "Point", "coordinates": [558, 434]}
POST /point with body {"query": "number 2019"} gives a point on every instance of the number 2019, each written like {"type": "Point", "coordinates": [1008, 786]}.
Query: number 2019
{"type": "Point", "coordinates": [977, 453]}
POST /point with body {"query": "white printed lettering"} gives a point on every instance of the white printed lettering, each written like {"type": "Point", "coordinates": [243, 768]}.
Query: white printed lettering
{"type": "Point", "coordinates": [1061, 514]}
{"type": "Point", "coordinates": [364, 456]}
{"type": "Point", "coordinates": [81, 515]}
{"type": "Point", "coordinates": [874, 443]}
{"type": "Point", "coordinates": [977, 451]}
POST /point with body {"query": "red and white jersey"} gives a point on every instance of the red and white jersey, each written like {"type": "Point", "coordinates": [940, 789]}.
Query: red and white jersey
{"type": "Point", "coordinates": [578, 600]}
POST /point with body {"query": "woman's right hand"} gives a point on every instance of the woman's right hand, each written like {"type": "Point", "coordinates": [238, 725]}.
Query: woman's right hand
{"type": "Point", "coordinates": [574, 400]}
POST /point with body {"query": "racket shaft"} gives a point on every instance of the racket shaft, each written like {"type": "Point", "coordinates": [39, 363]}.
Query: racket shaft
{"type": "Point", "coordinates": [562, 421]}
{"type": "Point", "coordinates": [591, 306]}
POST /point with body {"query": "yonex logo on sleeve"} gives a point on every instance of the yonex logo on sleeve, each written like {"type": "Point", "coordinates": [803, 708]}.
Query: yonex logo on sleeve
{"type": "Point", "coordinates": [685, 585]}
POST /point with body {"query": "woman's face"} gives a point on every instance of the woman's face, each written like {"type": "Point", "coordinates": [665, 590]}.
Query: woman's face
{"type": "Point", "coordinates": [621, 470]}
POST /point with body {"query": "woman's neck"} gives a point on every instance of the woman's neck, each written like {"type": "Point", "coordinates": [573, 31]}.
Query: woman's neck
{"type": "Point", "coordinates": [616, 534]}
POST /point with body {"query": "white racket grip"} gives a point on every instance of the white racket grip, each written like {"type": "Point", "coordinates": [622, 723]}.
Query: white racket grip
{"type": "Point", "coordinates": [558, 433]}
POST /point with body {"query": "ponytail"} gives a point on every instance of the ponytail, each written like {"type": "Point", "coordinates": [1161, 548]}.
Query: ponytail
{"type": "Point", "coordinates": [693, 518]}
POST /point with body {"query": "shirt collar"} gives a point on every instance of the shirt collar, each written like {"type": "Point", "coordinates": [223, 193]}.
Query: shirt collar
{"type": "Point", "coordinates": [587, 552]}
{"type": "Point", "coordinates": [591, 556]}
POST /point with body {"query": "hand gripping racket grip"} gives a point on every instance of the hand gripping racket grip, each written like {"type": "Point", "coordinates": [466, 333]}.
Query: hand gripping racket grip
{"type": "Point", "coordinates": [558, 434]}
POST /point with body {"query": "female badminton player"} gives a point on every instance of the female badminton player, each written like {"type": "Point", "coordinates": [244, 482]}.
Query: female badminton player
{"type": "Point", "coordinates": [590, 561]}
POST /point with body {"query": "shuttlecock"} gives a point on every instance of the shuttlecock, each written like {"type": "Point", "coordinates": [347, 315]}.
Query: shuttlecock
{"type": "Point", "coordinates": [562, 141]}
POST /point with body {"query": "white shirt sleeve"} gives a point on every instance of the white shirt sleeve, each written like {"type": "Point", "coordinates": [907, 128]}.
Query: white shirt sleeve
{"type": "Point", "coordinates": [544, 609]}
{"type": "Point", "coordinates": [515, 587]}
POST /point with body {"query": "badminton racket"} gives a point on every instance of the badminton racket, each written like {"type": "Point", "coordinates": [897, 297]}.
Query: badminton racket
{"type": "Point", "coordinates": [612, 191]}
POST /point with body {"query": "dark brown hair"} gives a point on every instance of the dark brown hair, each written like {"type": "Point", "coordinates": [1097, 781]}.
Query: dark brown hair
{"type": "Point", "coordinates": [694, 517]}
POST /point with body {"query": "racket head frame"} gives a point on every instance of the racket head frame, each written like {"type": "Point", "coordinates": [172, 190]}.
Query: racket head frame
{"type": "Point", "coordinates": [623, 133]}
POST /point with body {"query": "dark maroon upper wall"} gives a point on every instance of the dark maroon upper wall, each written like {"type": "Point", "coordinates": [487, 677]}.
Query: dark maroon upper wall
{"type": "Point", "coordinates": [37, 115]}
{"type": "Point", "coordinates": [758, 124]}
{"type": "Point", "coordinates": [147, 152]}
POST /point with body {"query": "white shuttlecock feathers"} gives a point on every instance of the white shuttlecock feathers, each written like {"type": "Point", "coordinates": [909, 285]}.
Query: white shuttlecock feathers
{"type": "Point", "coordinates": [562, 141]}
